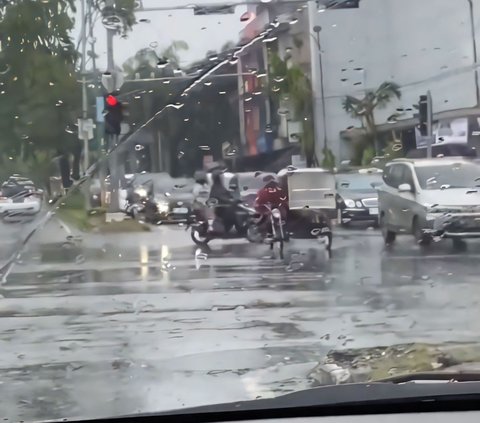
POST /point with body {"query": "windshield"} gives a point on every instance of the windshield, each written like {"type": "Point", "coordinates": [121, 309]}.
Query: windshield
{"type": "Point", "coordinates": [457, 175]}
{"type": "Point", "coordinates": [126, 287]}
{"type": "Point", "coordinates": [357, 182]}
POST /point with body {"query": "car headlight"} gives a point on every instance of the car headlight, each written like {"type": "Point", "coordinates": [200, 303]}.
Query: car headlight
{"type": "Point", "coordinates": [162, 207]}
{"type": "Point", "coordinates": [359, 204]}
{"type": "Point", "coordinates": [349, 203]}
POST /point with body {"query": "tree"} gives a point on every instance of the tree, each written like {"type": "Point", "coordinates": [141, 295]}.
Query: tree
{"type": "Point", "coordinates": [229, 45]}
{"type": "Point", "coordinates": [290, 82]}
{"type": "Point", "coordinates": [39, 94]}
{"type": "Point", "coordinates": [123, 9]}
{"type": "Point", "coordinates": [144, 62]}
{"type": "Point", "coordinates": [172, 52]}
{"type": "Point", "coordinates": [364, 109]}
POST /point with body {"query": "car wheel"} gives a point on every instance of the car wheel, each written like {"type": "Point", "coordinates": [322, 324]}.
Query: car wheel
{"type": "Point", "coordinates": [388, 236]}
{"type": "Point", "coordinates": [421, 237]}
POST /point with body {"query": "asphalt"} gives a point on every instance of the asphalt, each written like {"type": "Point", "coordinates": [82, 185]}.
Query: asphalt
{"type": "Point", "coordinates": [110, 325]}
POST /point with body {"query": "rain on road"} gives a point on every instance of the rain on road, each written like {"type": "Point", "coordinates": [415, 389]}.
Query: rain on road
{"type": "Point", "coordinates": [147, 322]}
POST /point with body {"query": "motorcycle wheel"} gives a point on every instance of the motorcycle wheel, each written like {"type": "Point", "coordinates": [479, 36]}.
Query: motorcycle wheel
{"type": "Point", "coordinates": [198, 238]}
{"type": "Point", "coordinates": [280, 249]}
{"type": "Point", "coordinates": [134, 213]}
{"type": "Point", "coordinates": [242, 229]}
{"type": "Point", "coordinates": [329, 241]}
{"type": "Point", "coordinates": [253, 235]}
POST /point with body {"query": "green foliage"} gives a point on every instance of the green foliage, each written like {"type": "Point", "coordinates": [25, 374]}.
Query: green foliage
{"type": "Point", "coordinates": [368, 155]}
{"type": "Point", "coordinates": [39, 95]}
{"type": "Point", "coordinates": [364, 108]}
{"type": "Point", "coordinates": [290, 82]}
{"type": "Point", "coordinates": [144, 62]}
{"type": "Point", "coordinates": [124, 9]}
{"type": "Point", "coordinates": [329, 159]}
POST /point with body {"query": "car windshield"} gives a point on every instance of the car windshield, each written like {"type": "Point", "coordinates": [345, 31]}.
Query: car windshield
{"type": "Point", "coordinates": [138, 275]}
{"type": "Point", "coordinates": [457, 175]}
{"type": "Point", "coordinates": [358, 182]}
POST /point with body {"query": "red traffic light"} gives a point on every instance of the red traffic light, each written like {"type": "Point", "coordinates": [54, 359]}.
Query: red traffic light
{"type": "Point", "coordinates": [111, 100]}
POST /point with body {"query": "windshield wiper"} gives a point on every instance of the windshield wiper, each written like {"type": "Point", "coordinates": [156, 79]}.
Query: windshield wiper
{"type": "Point", "coordinates": [391, 394]}
{"type": "Point", "coordinates": [434, 377]}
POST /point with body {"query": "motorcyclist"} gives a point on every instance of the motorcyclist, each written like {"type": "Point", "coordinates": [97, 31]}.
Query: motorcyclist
{"type": "Point", "coordinates": [224, 211]}
{"type": "Point", "coordinates": [201, 189]}
{"type": "Point", "coordinates": [270, 197]}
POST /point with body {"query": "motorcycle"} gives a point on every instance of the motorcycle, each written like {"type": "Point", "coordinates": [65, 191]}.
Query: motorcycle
{"type": "Point", "coordinates": [142, 207]}
{"type": "Point", "coordinates": [275, 236]}
{"type": "Point", "coordinates": [207, 227]}
{"type": "Point", "coordinates": [307, 226]}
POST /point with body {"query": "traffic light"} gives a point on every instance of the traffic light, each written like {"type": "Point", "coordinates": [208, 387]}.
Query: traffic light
{"type": "Point", "coordinates": [423, 115]}
{"type": "Point", "coordinates": [113, 115]}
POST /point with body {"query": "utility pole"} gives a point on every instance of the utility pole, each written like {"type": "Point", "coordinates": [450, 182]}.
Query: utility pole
{"type": "Point", "coordinates": [475, 56]}
{"type": "Point", "coordinates": [317, 30]}
{"type": "Point", "coordinates": [319, 123]}
{"type": "Point", "coordinates": [82, 129]}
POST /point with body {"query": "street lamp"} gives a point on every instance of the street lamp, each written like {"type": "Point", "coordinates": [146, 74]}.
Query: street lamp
{"type": "Point", "coordinates": [317, 29]}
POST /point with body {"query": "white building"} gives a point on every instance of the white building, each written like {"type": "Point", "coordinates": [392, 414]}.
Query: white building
{"type": "Point", "coordinates": [419, 44]}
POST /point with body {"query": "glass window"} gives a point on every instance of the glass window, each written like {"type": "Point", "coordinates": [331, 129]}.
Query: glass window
{"type": "Point", "coordinates": [452, 175]}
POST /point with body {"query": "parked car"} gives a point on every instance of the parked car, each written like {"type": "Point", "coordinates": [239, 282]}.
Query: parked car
{"type": "Point", "coordinates": [430, 198]}
{"type": "Point", "coordinates": [357, 198]}
{"type": "Point", "coordinates": [19, 197]}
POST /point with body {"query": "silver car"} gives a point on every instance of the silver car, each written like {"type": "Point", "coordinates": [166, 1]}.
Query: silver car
{"type": "Point", "coordinates": [431, 199]}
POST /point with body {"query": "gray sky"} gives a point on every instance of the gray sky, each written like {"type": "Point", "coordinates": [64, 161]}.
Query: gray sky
{"type": "Point", "coordinates": [166, 26]}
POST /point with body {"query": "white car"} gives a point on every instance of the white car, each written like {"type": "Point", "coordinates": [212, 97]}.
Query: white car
{"type": "Point", "coordinates": [20, 205]}
{"type": "Point", "coordinates": [431, 199]}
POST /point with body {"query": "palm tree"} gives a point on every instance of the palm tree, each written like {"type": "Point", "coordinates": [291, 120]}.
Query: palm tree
{"type": "Point", "coordinates": [144, 62]}
{"type": "Point", "coordinates": [172, 52]}
{"type": "Point", "coordinates": [364, 108]}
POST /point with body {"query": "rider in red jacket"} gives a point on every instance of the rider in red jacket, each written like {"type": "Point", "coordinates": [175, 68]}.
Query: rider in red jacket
{"type": "Point", "coordinates": [270, 197]}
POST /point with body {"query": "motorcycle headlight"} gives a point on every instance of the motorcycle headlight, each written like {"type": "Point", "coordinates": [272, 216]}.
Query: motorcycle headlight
{"type": "Point", "coordinates": [276, 214]}
{"type": "Point", "coordinates": [349, 203]}
{"type": "Point", "coordinates": [162, 207]}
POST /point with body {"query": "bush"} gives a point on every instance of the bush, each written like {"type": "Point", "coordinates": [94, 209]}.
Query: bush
{"type": "Point", "coordinates": [367, 156]}
{"type": "Point", "coordinates": [329, 159]}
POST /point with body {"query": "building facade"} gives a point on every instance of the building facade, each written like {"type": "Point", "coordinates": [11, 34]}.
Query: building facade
{"type": "Point", "coordinates": [419, 45]}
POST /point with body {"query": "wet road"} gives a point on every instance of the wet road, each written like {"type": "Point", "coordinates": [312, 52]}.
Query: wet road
{"type": "Point", "coordinates": [121, 324]}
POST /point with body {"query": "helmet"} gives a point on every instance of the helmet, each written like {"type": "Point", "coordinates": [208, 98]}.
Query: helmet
{"type": "Point", "coordinates": [269, 178]}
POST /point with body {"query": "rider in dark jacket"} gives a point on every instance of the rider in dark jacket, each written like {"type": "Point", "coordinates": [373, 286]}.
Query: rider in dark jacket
{"type": "Point", "coordinates": [224, 210]}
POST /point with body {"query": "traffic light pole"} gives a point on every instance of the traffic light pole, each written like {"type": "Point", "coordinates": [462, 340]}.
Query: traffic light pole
{"type": "Point", "coordinates": [429, 124]}
{"type": "Point", "coordinates": [112, 139]}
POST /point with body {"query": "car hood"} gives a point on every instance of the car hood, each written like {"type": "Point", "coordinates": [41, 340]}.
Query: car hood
{"type": "Point", "coordinates": [451, 197]}
{"type": "Point", "coordinates": [357, 195]}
